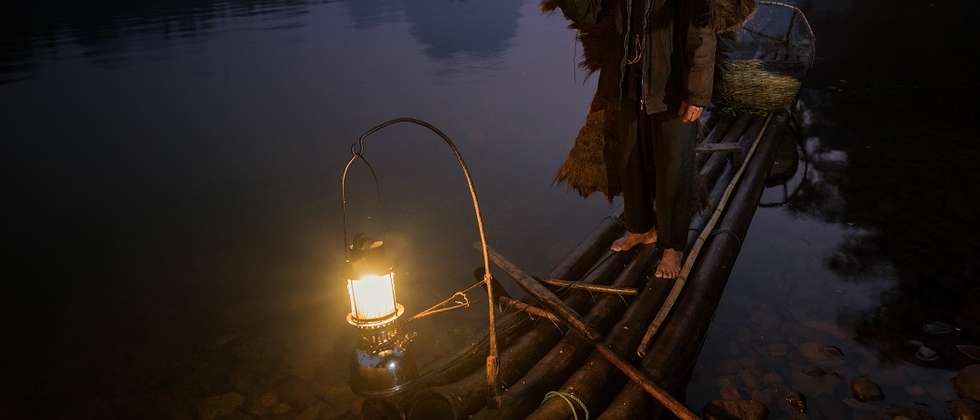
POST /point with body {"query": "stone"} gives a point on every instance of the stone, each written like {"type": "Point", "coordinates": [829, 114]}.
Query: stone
{"type": "Point", "coordinates": [262, 405]}
{"type": "Point", "coordinates": [749, 379]}
{"type": "Point", "coordinates": [310, 413]}
{"type": "Point", "coordinates": [731, 410]}
{"type": "Point", "coordinates": [865, 390]}
{"type": "Point", "coordinates": [729, 392]}
{"type": "Point", "coordinates": [222, 405]}
{"type": "Point", "coordinates": [832, 352]}
{"type": "Point", "coordinates": [772, 379]}
{"type": "Point", "coordinates": [728, 367]}
{"type": "Point", "coordinates": [940, 391]}
{"type": "Point", "coordinates": [915, 390]}
{"type": "Point", "coordinates": [967, 383]}
{"type": "Point", "coordinates": [796, 401]}
{"type": "Point", "coordinates": [747, 362]}
{"type": "Point", "coordinates": [281, 408]}
{"type": "Point", "coordinates": [766, 396]}
{"type": "Point", "coordinates": [814, 386]}
{"type": "Point", "coordinates": [241, 380]}
{"type": "Point", "coordinates": [963, 409]}
{"type": "Point", "coordinates": [814, 371]}
{"type": "Point", "coordinates": [908, 413]}
{"type": "Point", "coordinates": [777, 349]}
{"type": "Point", "coordinates": [894, 376]}
{"type": "Point", "coordinates": [296, 392]}
{"type": "Point", "coordinates": [826, 328]}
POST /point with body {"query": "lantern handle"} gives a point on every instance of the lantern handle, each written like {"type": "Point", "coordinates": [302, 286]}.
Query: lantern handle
{"type": "Point", "coordinates": [357, 152]}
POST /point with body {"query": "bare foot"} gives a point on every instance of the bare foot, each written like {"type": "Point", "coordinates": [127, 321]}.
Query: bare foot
{"type": "Point", "coordinates": [670, 264]}
{"type": "Point", "coordinates": [631, 239]}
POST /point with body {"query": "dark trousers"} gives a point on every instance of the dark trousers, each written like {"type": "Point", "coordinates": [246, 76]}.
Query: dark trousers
{"type": "Point", "coordinates": [659, 169]}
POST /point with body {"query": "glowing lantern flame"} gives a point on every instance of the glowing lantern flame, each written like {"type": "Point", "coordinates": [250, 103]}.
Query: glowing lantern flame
{"type": "Point", "coordinates": [372, 299]}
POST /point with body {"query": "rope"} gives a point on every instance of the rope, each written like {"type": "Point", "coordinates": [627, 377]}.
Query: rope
{"type": "Point", "coordinates": [569, 399]}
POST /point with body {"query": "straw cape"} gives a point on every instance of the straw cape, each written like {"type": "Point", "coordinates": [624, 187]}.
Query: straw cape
{"type": "Point", "coordinates": [593, 163]}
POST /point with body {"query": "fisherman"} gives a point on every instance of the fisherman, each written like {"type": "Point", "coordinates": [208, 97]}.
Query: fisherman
{"type": "Point", "coordinates": [655, 60]}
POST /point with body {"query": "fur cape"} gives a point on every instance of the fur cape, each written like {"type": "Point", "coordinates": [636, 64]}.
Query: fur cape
{"type": "Point", "coordinates": [586, 169]}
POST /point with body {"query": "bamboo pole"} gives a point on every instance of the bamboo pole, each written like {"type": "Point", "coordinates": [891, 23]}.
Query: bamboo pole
{"type": "Point", "coordinates": [625, 291]}
{"type": "Point", "coordinates": [696, 249]}
{"type": "Point", "coordinates": [511, 326]}
{"type": "Point", "coordinates": [517, 305]}
{"type": "Point", "coordinates": [592, 379]}
{"type": "Point", "coordinates": [466, 395]}
{"type": "Point", "coordinates": [675, 350]}
{"type": "Point", "coordinates": [570, 318]}
{"type": "Point", "coordinates": [566, 356]}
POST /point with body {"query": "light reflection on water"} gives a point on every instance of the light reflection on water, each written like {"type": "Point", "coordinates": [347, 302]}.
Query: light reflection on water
{"type": "Point", "coordinates": [175, 171]}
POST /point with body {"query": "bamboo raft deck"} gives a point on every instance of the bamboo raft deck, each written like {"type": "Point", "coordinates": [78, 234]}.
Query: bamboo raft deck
{"type": "Point", "coordinates": [539, 356]}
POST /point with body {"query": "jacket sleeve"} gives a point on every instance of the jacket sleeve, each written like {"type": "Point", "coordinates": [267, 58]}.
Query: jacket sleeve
{"type": "Point", "coordinates": [581, 11]}
{"type": "Point", "coordinates": [701, 44]}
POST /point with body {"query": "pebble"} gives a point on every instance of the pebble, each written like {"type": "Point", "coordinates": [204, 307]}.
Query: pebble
{"type": "Point", "coordinates": [926, 354]}
{"type": "Point", "coordinates": [813, 386]}
{"type": "Point", "coordinates": [777, 349]}
{"type": "Point", "coordinates": [915, 390]}
{"type": "Point", "coordinates": [865, 390]}
{"type": "Point", "coordinates": [963, 409]}
{"type": "Point", "coordinates": [766, 396]}
{"type": "Point", "coordinates": [772, 378]}
{"type": "Point", "coordinates": [740, 409]}
{"type": "Point", "coordinates": [967, 383]}
{"type": "Point", "coordinates": [729, 392]}
{"type": "Point", "coordinates": [749, 379]}
{"type": "Point", "coordinates": [219, 405]}
{"type": "Point", "coordinates": [796, 401]}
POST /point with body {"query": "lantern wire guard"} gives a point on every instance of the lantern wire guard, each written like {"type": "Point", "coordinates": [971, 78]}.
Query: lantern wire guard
{"type": "Point", "coordinates": [357, 150]}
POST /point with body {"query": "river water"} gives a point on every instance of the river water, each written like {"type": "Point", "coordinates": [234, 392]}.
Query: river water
{"type": "Point", "coordinates": [174, 212]}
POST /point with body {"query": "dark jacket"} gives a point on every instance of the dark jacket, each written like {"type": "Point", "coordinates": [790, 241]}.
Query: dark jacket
{"type": "Point", "coordinates": [678, 65]}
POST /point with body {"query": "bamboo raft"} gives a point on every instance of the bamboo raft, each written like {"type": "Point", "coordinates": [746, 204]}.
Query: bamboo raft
{"type": "Point", "coordinates": [550, 371]}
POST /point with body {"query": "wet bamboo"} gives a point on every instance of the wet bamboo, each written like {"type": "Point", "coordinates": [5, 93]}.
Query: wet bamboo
{"type": "Point", "coordinates": [698, 244]}
{"type": "Point", "coordinates": [715, 135]}
{"type": "Point", "coordinates": [517, 305]}
{"type": "Point", "coordinates": [525, 394]}
{"type": "Point", "coordinates": [548, 299]}
{"type": "Point", "coordinates": [571, 319]}
{"type": "Point", "coordinates": [625, 291]}
{"type": "Point", "coordinates": [675, 350]}
{"type": "Point", "coordinates": [468, 394]}
{"type": "Point", "coordinates": [596, 375]}
{"type": "Point", "coordinates": [715, 163]}
{"type": "Point", "coordinates": [590, 382]}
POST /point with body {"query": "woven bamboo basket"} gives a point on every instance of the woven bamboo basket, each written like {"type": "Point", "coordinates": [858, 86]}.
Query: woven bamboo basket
{"type": "Point", "coordinates": [761, 67]}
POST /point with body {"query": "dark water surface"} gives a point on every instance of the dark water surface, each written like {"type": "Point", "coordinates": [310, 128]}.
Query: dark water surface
{"type": "Point", "coordinates": [173, 196]}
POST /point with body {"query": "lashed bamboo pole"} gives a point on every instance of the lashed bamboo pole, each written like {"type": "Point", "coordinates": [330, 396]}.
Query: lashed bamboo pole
{"type": "Point", "coordinates": [512, 326]}
{"type": "Point", "coordinates": [596, 376]}
{"type": "Point", "coordinates": [466, 395]}
{"type": "Point", "coordinates": [517, 305]}
{"type": "Point", "coordinates": [625, 291]}
{"type": "Point", "coordinates": [592, 379]}
{"type": "Point", "coordinates": [675, 349]}
{"type": "Point", "coordinates": [571, 319]}
{"type": "Point", "coordinates": [696, 249]}
{"type": "Point", "coordinates": [525, 394]}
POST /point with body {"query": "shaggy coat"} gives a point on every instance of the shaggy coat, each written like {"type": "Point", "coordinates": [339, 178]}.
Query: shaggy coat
{"type": "Point", "coordinates": [668, 77]}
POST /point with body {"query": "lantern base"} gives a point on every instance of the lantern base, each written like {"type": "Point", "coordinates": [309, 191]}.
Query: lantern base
{"type": "Point", "coordinates": [382, 372]}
